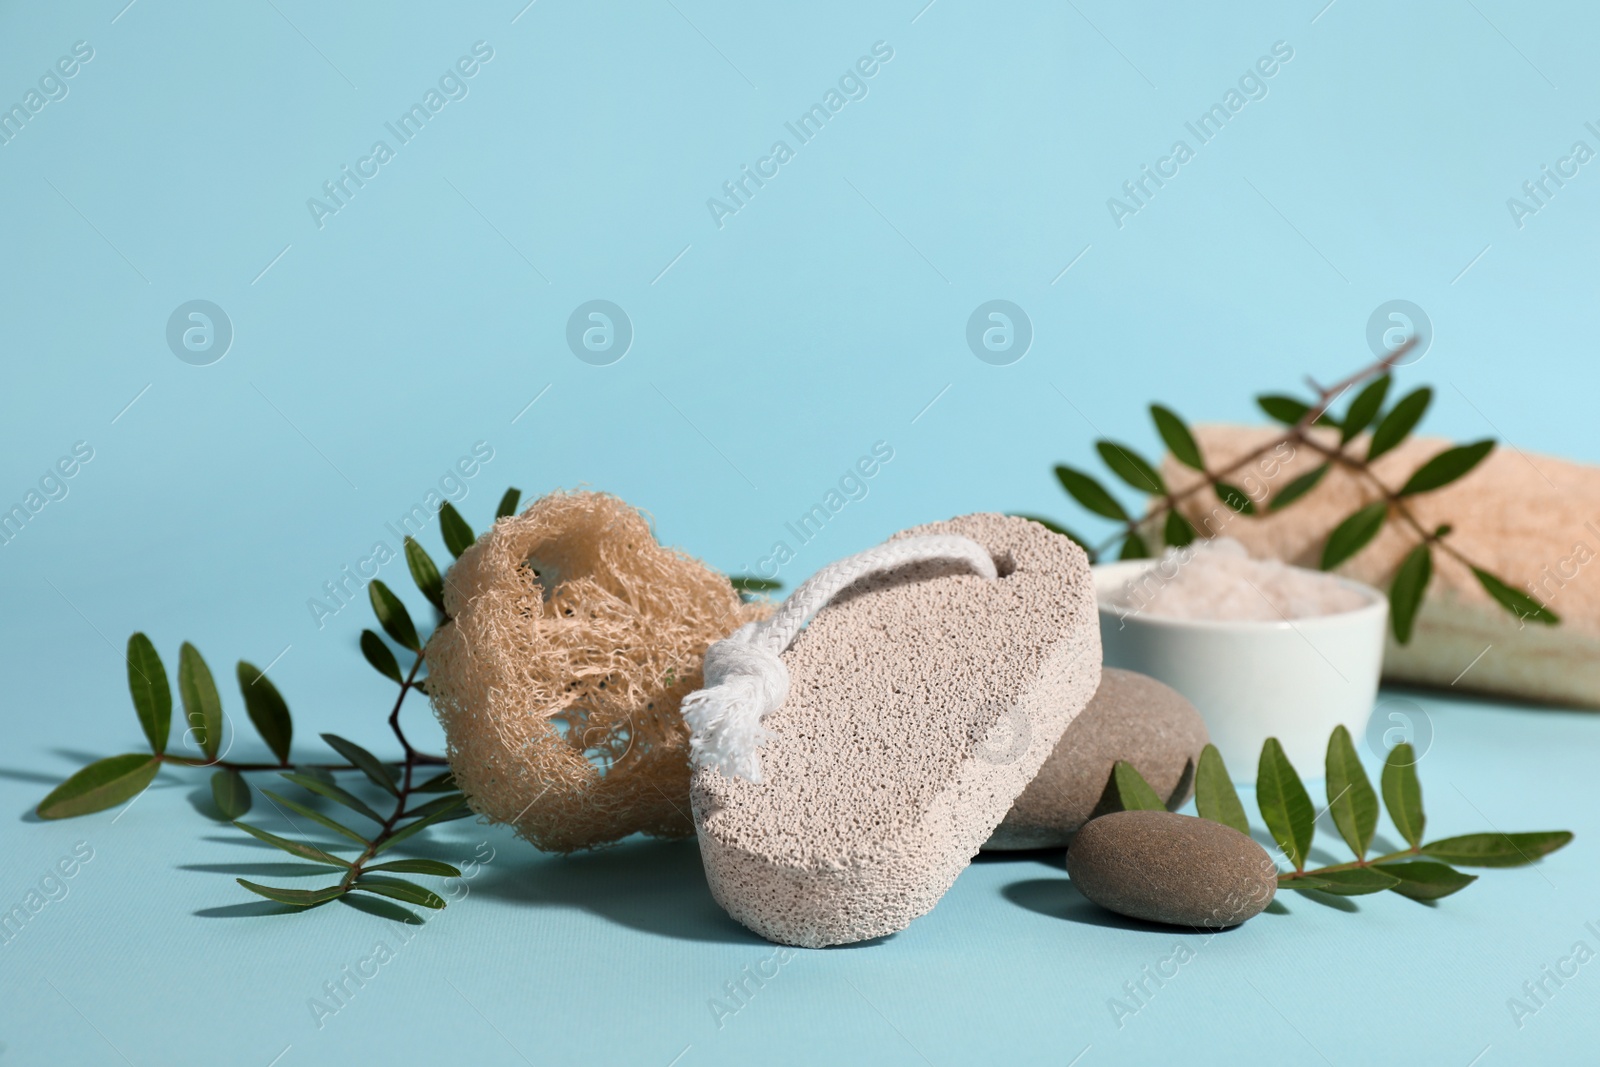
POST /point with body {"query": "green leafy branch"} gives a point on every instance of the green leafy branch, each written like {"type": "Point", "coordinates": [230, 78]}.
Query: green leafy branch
{"type": "Point", "coordinates": [1389, 427]}
{"type": "Point", "coordinates": [1421, 871]}
{"type": "Point", "coordinates": [118, 779]}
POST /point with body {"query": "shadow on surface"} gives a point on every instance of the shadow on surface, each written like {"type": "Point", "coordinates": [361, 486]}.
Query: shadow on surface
{"type": "Point", "coordinates": [1050, 857]}
{"type": "Point", "coordinates": [658, 887]}
{"type": "Point", "coordinates": [1057, 898]}
{"type": "Point", "coordinates": [1327, 900]}
{"type": "Point", "coordinates": [201, 800]}
{"type": "Point", "coordinates": [383, 909]}
{"type": "Point", "coordinates": [17, 774]}
{"type": "Point", "coordinates": [248, 910]}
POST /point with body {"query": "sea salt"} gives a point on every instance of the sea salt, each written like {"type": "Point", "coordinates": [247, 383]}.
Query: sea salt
{"type": "Point", "coordinates": [1218, 580]}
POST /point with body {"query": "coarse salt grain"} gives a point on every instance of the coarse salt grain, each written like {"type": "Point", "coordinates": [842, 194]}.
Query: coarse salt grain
{"type": "Point", "coordinates": [1218, 580]}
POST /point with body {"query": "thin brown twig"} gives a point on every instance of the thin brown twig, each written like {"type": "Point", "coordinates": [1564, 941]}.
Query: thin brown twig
{"type": "Point", "coordinates": [1298, 434]}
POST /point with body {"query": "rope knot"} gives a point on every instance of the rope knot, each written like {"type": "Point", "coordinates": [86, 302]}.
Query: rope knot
{"type": "Point", "coordinates": [745, 679]}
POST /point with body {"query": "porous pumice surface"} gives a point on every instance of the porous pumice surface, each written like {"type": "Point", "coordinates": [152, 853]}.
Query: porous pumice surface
{"type": "Point", "coordinates": [1132, 717]}
{"type": "Point", "coordinates": [1217, 579]}
{"type": "Point", "coordinates": [573, 638]}
{"type": "Point", "coordinates": [1170, 868]}
{"type": "Point", "coordinates": [921, 702]}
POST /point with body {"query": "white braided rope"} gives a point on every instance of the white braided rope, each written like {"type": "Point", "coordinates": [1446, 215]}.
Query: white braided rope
{"type": "Point", "coordinates": [744, 677]}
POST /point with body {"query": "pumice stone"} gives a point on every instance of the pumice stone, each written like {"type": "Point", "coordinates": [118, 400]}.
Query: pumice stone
{"type": "Point", "coordinates": [848, 772]}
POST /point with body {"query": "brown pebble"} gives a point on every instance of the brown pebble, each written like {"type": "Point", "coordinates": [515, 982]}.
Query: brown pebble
{"type": "Point", "coordinates": [1170, 868]}
{"type": "Point", "coordinates": [1132, 717]}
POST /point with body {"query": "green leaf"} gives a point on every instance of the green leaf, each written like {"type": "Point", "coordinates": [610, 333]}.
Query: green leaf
{"type": "Point", "coordinates": [443, 870]}
{"type": "Point", "coordinates": [380, 657]}
{"type": "Point", "coordinates": [102, 784]}
{"type": "Point", "coordinates": [401, 890]}
{"type": "Point", "coordinates": [1355, 881]}
{"type": "Point", "coordinates": [1297, 488]}
{"type": "Point", "coordinates": [230, 793]}
{"type": "Point", "coordinates": [1090, 493]}
{"type": "Point", "coordinates": [268, 710]}
{"type": "Point", "coordinates": [317, 817]}
{"type": "Point", "coordinates": [294, 848]}
{"type": "Point", "coordinates": [1446, 467]}
{"type": "Point", "coordinates": [1301, 882]}
{"type": "Point", "coordinates": [1351, 801]}
{"type": "Point", "coordinates": [1289, 411]}
{"type": "Point", "coordinates": [332, 792]}
{"type": "Point", "coordinates": [152, 699]}
{"type": "Point", "coordinates": [749, 583]}
{"type": "Point", "coordinates": [458, 536]}
{"type": "Point", "coordinates": [1179, 531]}
{"type": "Point", "coordinates": [1133, 792]}
{"type": "Point", "coordinates": [1214, 795]}
{"type": "Point", "coordinates": [1405, 592]}
{"type": "Point", "coordinates": [1520, 604]}
{"type": "Point", "coordinates": [1133, 547]}
{"type": "Point", "coordinates": [1131, 467]}
{"type": "Point", "coordinates": [1497, 850]}
{"type": "Point", "coordinates": [1426, 880]}
{"type": "Point", "coordinates": [1284, 409]}
{"type": "Point", "coordinates": [1284, 803]}
{"type": "Point", "coordinates": [1402, 793]}
{"type": "Point", "coordinates": [438, 804]}
{"type": "Point", "coordinates": [424, 573]}
{"type": "Point", "coordinates": [392, 616]}
{"type": "Point", "coordinates": [1401, 420]}
{"type": "Point", "coordinates": [201, 704]}
{"type": "Point", "coordinates": [439, 783]}
{"type": "Point", "coordinates": [421, 824]}
{"type": "Point", "coordinates": [1364, 408]}
{"type": "Point", "coordinates": [508, 503]}
{"type": "Point", "coordinates": [381, 774]}
{"type": "Point", "coordinates": [1235, 498]}
{"type": "Point", "coordinates": [1176, 436]}
{"type": "Point", "coordinates": [1354, 533]}
{"type": "Point", "coordinates": [300, 898]}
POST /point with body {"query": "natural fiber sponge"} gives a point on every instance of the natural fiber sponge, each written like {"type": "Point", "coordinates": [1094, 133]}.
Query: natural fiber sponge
{"type": "Point", "coordinates": [573, 638]}
{"type": "Point", "coordinates": [1132, 717]}
{"type": "Point", "coordinates": [1171, 869]}
{"type": "Point", "coordinates": [921, 701]}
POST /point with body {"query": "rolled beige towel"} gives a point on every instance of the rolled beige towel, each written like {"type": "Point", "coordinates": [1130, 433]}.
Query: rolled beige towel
{"type": "Point", "coordinates": [1533, 521]}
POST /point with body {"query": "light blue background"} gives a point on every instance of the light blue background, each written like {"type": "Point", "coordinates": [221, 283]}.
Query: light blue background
{"type": "Point", "coordinates": [768, 354]}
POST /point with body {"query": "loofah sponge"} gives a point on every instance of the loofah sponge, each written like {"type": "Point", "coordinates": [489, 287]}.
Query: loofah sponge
{"type": "Point", "coordinates": [921, 702]}
{"type": "Point", "coordinates": [573, 637]}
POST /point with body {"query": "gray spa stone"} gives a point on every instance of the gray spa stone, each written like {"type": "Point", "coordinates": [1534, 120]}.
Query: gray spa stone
{"type": "Point", "coordinates": [1132, 717]}
{"type": "Point", "coordinates": [1170, 868]}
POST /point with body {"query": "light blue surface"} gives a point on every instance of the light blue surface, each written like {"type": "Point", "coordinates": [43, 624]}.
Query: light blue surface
{"type": "Point", "coordinates": [829, 313]}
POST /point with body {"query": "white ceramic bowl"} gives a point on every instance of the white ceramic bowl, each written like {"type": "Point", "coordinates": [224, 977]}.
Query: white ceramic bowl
{"type": "Point", "coordinates": [1293, 680]}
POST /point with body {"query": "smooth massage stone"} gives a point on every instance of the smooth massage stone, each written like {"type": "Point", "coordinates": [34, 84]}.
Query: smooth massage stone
{"type": "Point", "coordinates": [1170, 868]}
{"type": "Point", "coordinates": [921, 702]}
{"type": "Point", "coordinates": [1132, 717]}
